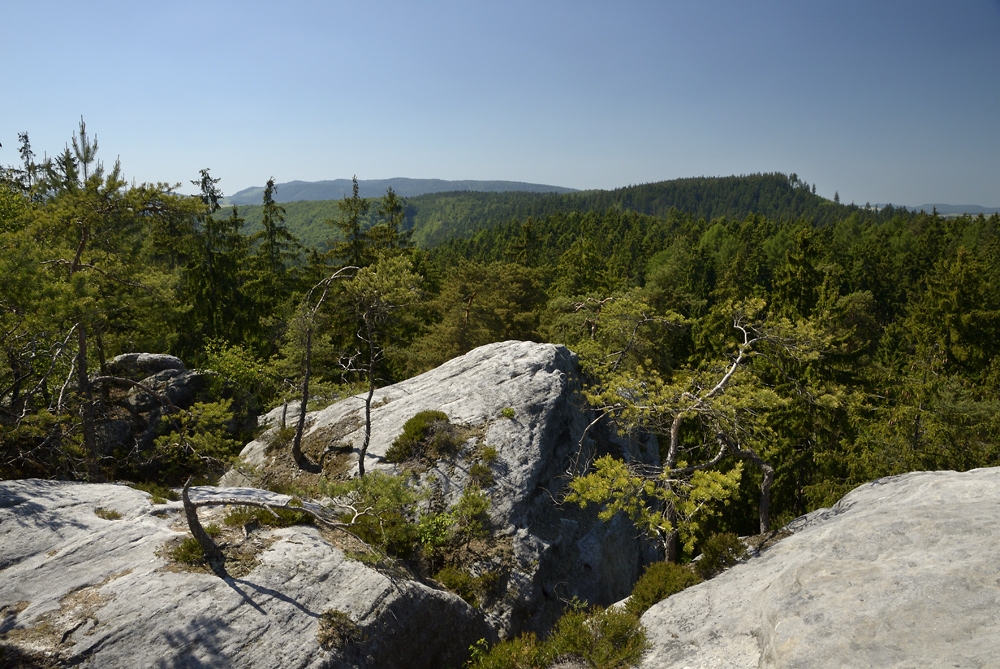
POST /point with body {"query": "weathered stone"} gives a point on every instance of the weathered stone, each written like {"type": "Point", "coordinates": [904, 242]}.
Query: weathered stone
{"type": "Point", "coordinates": [180, 386]}
{"type": "Point", "coordinates": [559, 551]}
{"type": "Point", "coordinates": [137, 366]}
{"type": "Point", "coordinates": [902, 572]}
{"type": "Point", "coordinates": [78, 589]}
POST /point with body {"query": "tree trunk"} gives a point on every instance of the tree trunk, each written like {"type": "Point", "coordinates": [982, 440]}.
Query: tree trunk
{"type": "Point", "coordinates": [216, 560]}
{"type": "Point", "coordinates": [368, 399]}
{"type": "Point", "coordinates": [87, 413]}
{"type": "Point", "coordinates": [300, 458]}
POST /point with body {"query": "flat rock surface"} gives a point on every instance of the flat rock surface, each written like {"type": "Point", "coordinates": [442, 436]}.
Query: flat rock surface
{"type": "Point", "coordinates": [902, 572]}
{"type": "Point", "coordinates": [78, 589]}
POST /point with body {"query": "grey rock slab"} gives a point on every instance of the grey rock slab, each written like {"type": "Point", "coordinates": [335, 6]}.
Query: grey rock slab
{"type": "Point", "coordinates": [141, 365]}
{"type": "Point", "coordinates": [82, 590]}
{"type": "Point", "coordinates": [902, 572]}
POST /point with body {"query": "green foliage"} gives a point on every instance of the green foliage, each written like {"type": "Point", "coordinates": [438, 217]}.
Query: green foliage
{"type": "Point", "coordinates": [280, 439]}
{"type": "Point", "coordinates": [480, 475]}
{"type": "Point", "coordinates": [425, 435]}
{"type": "Point", "coordinates": [463, 584]}
{"type": "Point", "coordinates": [434, 529]}
{"type": "Point", "coordinates": [199, 441]}
{"type": "Point", "coordinates": [161, 494]}
{"type": "Point", "coordinates": [659, 581]}
{"type": "Point", "coordinates": [600, 638]}
{"type": "Point", "coordinates": [241, 366]}
{"type": "Point", "coordinates": [188, 551]}
{"type": "Point", "coordinates": [241, 515]}
{"type": "Point", "coordinates": [472, 519]}
{"type": "Point", "coordinates": [617, 488]}
{"type": "Point", "coordinates": [381, 510]}
{"type": "Point", "coordinates": [718, 553]}
{"type": "Point", "coordinates": [508, 412]}
{"type": "Point", "coordinates": [107, 514]}
{"type": "Point", "coordinates": [336, 629]}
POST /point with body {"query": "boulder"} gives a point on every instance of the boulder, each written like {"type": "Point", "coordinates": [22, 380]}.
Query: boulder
{"type": "Point", "coordinates": [137, 366]}
{"type": "Point", "coordinates": [902, 572]}
{"type": "Point", "coordinates": [76, 588]}
{"type": "Point", "coordinates": [523, 400]}
{"type": "Point", "coordinates": [180, 386]}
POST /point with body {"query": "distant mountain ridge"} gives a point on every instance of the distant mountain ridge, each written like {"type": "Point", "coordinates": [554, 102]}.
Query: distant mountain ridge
{"type": "Point", "coordinates": [294, 191]}
{"type": "Point", "coordinates": [957, 209]}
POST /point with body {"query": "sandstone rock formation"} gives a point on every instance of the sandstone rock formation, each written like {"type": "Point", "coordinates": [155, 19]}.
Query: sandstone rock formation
{"type": "Point", "coordinates": [520, 398]}
{"type": "Point", "coordinates": [902, 572]}
{"type": "Point", "coordinates": [130, 417]}
{"type": "Point", "coordinates": [76, 588]}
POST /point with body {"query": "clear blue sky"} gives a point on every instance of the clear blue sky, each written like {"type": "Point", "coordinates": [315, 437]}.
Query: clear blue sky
{"type": "Point", "coordinates": [884, 101]}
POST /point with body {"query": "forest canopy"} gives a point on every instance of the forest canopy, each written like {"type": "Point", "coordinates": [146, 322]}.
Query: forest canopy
{"type": "Point", "coordinates": [877, 349]}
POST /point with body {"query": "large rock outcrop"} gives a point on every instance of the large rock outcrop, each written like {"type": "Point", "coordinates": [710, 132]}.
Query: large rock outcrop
{"type": "Point", "coordinates": [140, 390]}
{"type": "Point", "coordinates": [902, 572]}
{"type": "Point", "coordinates": [522, 399]}
{"type": "Point", "coordinates": [76, 588]}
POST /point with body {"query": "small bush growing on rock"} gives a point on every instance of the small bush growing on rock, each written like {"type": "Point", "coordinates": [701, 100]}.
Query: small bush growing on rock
{"type": "Point", "coordinates": [471, 514]}
{"type": "Point", "coordinates": [337, 629]}
{"type": "Point", "coordinates": [718, 553]}
{"type": "Point", "coordinates": [188, 551]}
{"type": "Point", "coordinates": [280, 439]}
{"type": "Point", "coordinates": [160, 493]}
{"type": "Point", "coordinates": [600, 638]}
{"type": "Point", "coordinates": [427, 434]}
{"type": "Point", "coordinates": [242, 515]}
{"type": "Point", "coordinates": [381, 511]}
{"type": "Point", "coordinates": [603, 638]}
{"type": "Point", "coordinates": [107, 514]}
{"type": "Point", "coordinates": [507, 413]}
{"type": "Point", "coordinates": [480, 475]}
{"type": "Point", "coordinates": [659, 581]}
{"type": "Point", "coordinates": [473, 589]}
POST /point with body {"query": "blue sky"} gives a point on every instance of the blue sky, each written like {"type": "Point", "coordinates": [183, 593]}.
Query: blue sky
{"type": "Point", "coordinates": [884, 101]}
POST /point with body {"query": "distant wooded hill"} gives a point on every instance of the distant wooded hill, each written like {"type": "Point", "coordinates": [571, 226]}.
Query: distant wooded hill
{"type": "Point", "coordinates": [957, 209]}
{"type": "Point", "coordinates": [436, 217]}
{"type": "Point", "coordinates": [294, 191]}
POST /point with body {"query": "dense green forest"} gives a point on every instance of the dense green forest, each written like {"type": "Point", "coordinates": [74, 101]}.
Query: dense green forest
{"type": "Point", "coordinates": [833, 344]}
{"type": "Point", "coordinates": [437, 217]}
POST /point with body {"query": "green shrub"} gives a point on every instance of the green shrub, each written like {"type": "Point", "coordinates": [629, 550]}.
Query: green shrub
{"type": "Point", "coordinates": [188, 551]}
{"type": "Point", "coordinates": [388, 522]}
{"type": "Point", "coordinates": [337, 629]}
{"type": "Point", "coordinates": [160, 493]}
{"type": "Point", "coordinates": [480, 475]}
{"type": "Point", "coordinates": [107, 514]}
{"type": "Point", "coordinates": [424, 435]}
{"type": "Point", "coordinates": [603, 638]}
{"type": "Point", "coordinates": [600, 638]}
{"type": "Point", "coordinates": [434, 529]}
{"type": "Point", "coordinates": [472, 589]}
{"type": "Point", "coordinates": [241, 515]}
{"type": "Point", "coordinates": [508, 413]}
{"type": "Point", "coordinates": [240, 366]}
{"type": "Point", "coordinates": [522, 652]}
{"type": "Point", "coordinates": [472, 519]}
{"type": "Point", "coordinates": [198, 442]}
{"type": "Point", "coordinates": [659, 581]}
{"type": "Point", "coordinates": [461, 583]}
{"type": "Point", "coordinates": [280, 439]}
{"type": "Point", "coordinates": [718, 553]}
